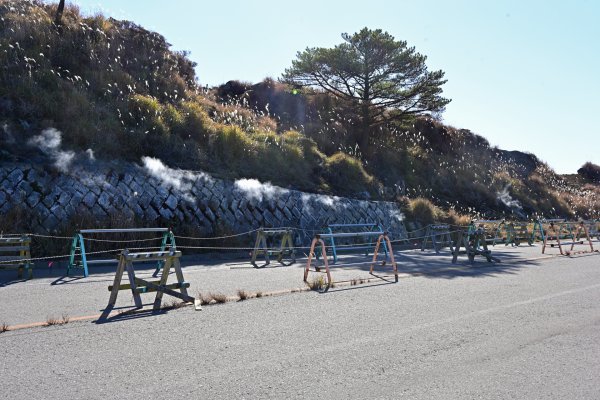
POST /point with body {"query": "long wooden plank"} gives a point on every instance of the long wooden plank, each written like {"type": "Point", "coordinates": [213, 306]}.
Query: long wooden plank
{"type": "Point", "coordinates": [6, 249]}
{"type": "Point", "coordinates": [15, 239]}
{"type": "Point", "coordinates": [153, 255]}
{"type": "Point", "coordinates": [142, 286]}
{"type": "Point", "coordinates": [104, 261]}
{"type": "Point", "coordinates": [350, 234]}
{"type": "Point", "coordinates": [124, 230]}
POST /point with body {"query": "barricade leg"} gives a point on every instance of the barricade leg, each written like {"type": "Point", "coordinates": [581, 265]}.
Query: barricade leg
{"type": "Point", "coordinates": [386, 241]}
{"type": "Point", "coordinates": [168, 238]}
{"type": "Point", "coordinates": [311, 253]}
{"type": "Point", "coordinates": [137, 299]}
{"type": "Point", "coordinates": [287, 243]}
{"type": "Point", "coordinates": [163, 282]}
{"type": "Point", "coordinates": [581, 234]}
{"type": "Point", "coordinates": [260, 245]}
{"type": "Point", "coordinates": [116, 282]}
{"type": "Point", "coordinates": [457, 245]}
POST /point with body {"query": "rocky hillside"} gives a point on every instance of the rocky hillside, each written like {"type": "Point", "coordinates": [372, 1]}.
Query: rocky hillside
{"type": "Point", "coordinates": [95, 89]}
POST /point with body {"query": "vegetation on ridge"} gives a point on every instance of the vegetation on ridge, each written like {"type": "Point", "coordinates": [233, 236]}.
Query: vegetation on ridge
{"type": "Point", "coordinates": [117, 90]}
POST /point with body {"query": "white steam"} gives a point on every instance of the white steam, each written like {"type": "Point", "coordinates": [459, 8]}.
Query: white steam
{"type": "Point", "coordinates": [8, 136]}
{"type": "Point", "coordinates": [49, 142]}
{"type": "Point", "coordinates": [397, 215]}
{"type": "Point", "coordinates": [254, 190]}
{"type": "Point", "coordinates": [90, 154]}
{"type": "Point", "coordinates": [507, 200]}
{"type": "Point", "coordinates": [178, 179]}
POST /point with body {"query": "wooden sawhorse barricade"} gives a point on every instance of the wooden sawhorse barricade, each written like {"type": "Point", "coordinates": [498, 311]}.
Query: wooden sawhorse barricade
{"type": "Point", "coordinates": [492, 230]}
{"type": "Point", "coordinates": [15, 253]}
{"type": "Point", "coordinates": [168, 259]}
{"type": "Point", "coordinates": [439, 235]}
{"type": "Point", "coordinates": [383, 239]}
{"type": "Point", "coordinates": [593, 228]}
{"type": "Point", "coordinates": [264, 245]}
{"type": "Point", "coordinates": [352, 231]}
{"type": "Point", "coordinates": [576, 233]}
{"type": "Point", "coordinates": [475, 243]}
{"type": "Point", "coordinates": [517, 233]}
{"type": "Point", "coordinates": [78, 257]}
{"type": "Point", "coordinates": [541, 227]}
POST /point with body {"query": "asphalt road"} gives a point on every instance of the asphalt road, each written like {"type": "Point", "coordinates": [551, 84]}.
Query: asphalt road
{"type": "Point", "coordinates": [52, 294]}
{"type": "Point", "coordinates": [531, 331]}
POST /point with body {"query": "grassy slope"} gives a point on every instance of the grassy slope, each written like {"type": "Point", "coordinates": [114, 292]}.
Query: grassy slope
{"type": "Point", "coordinates": [116, 88]}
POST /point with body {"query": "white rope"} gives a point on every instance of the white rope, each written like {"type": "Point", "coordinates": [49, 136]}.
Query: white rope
{"type": "Point", "coordinates": [46, 258]}
{"type": "Point", "coordinates": [218, 237]}
{"type": "Point", "coordinates": [49, 236]}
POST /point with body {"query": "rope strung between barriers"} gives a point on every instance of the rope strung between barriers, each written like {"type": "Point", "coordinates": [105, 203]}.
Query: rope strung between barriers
{"type": "Point", "coordinates": [226, 248]}
{"type": "Point", "coordinates": [196, 247]}
{"type": "Point", "coordinates": [223, 248]}
{"type": "Point", "coordinates": [46, 258]}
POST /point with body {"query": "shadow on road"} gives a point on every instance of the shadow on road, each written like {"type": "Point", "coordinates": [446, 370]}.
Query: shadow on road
{"type": "Point", "coordinates": [430, 264]}
{"type": "Point", "coordinates": [129, 313]}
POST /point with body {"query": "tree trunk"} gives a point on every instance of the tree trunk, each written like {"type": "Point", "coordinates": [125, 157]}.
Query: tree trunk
{"type": "Point", "coordinates": [362, 139]}
{"type": "Point", "coordinates": [59, 12]}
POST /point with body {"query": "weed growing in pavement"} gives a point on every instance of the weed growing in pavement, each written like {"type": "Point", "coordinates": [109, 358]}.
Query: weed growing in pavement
{"type": "Point", "coordinates": [242, 294]}
{"type": "Point", "coordinates": [259, 295]}
{"type": "Point", "coordinates": [174, 305]}
{"type": "Point", "coordinates": [317, 283]}
{"type": "Point", "coordinates": [3, 327]}
{"type": "Point", "coordinates": [52, 321]}
{"type": "Point", "coordinates": [204, 299]}
{"type": "Point", "coordinates": [65, 319]}
{"type": "Point", "coordinates": [219, 298]}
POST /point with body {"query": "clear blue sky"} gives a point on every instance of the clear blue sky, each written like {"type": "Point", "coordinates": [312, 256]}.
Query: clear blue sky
{"type": "Point", "coordinates": [524, 74]}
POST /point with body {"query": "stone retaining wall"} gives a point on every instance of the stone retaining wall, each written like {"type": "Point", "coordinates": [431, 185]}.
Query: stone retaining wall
{"type": "Point", "coordinates": [160, 196]}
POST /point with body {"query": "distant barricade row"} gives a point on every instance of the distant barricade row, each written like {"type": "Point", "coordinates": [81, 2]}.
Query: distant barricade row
{"type": "Point", "coordinates": [15, 253]}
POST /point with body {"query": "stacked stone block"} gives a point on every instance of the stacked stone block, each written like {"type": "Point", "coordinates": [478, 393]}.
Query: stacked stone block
{"type": "Point", "coordinates": [178, 197]}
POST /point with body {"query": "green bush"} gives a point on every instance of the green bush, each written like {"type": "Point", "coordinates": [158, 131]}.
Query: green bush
{"type": "Point", "coordinates": [424, 211]}
{"type": "Point", "coordinates": [230, 146]}
{"type": "Point", "coordinates": [346, 175]}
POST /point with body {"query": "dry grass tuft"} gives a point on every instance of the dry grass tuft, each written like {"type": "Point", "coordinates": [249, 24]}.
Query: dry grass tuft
{"type": "Point", "coordinates": [259, 295]}
{"type": "Point", "coordinates": [3, 327]}
{"type": "Point", "coordinates": [174, 305]}
{"type": "Point", "coordinates": [53, 321]}
{"type": "Point", "coordinates": [219, 298]}
{"type": "Point", "coordinates": [317, 283]}
{"type": "Point", "coordinates": [204, 299]}
{"type": "Point", "coordinates": [65, 319]}
{"type": "Point", "coordinates": [242, 294]}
